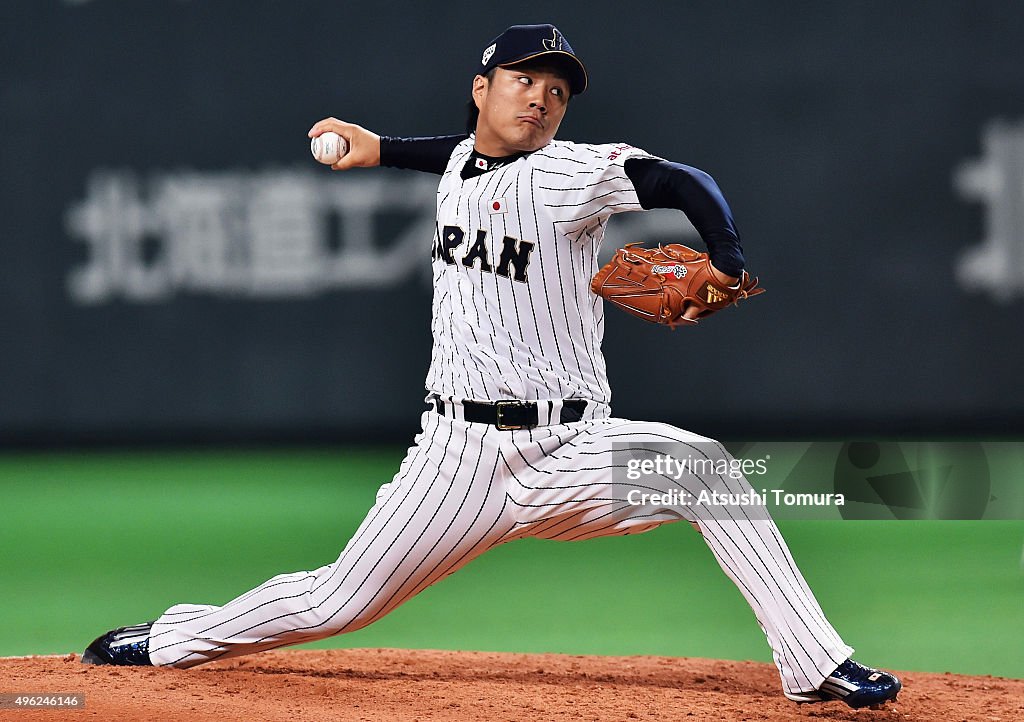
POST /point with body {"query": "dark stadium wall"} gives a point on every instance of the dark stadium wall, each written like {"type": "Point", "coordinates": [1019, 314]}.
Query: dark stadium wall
{"type": "Point", "coordinates": [177, 267]}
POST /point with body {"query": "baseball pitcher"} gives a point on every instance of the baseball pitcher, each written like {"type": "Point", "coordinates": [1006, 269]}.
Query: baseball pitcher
{"type": "Point", "coordinates": [518, 436]}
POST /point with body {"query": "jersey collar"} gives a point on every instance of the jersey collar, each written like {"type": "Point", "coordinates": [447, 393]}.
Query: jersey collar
{"type": "Point", "coordinates": [478, 163]}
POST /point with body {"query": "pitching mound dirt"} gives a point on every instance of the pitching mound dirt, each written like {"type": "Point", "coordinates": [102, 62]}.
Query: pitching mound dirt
{"type": "Point", "coordinates": [390, 684]}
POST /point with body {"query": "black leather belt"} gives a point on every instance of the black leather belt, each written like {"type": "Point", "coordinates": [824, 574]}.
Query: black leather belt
{"type": "Point", "coordinates": [509, 415]}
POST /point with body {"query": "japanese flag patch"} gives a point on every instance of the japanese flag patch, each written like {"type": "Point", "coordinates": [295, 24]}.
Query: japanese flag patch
{"type": "Point", "coordinates": [497, 205]}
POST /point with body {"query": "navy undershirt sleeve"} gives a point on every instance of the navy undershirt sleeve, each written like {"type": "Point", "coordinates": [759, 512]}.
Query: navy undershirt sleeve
{"type": "Point", "coordinates": [430, 155]}
{"type": "Point", "coordinates": [664, 184]}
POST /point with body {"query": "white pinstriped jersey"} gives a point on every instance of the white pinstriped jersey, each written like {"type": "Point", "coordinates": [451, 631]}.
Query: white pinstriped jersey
{"type": "Point", "coordinates": [514, 251]}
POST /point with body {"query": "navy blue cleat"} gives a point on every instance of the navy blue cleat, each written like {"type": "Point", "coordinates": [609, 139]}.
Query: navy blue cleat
{"type": "Point", "coordinates": [123, 646]}
{"type": "Point", "coordinates": [855, 684]}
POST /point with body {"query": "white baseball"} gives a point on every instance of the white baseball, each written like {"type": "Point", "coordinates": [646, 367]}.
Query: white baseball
{"type": "Point", "coordinates": [328, 148]}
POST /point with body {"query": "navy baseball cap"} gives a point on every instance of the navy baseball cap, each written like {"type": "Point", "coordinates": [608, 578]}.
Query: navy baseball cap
{"type": "Point", "coordinates": [524, 42]}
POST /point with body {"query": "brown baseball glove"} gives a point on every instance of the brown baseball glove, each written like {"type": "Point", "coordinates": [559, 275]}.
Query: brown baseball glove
{"type": "Point", "coordinates": [657, 284]}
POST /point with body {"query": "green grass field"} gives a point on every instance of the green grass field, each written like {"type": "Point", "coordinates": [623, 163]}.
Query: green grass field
{"type": "Point", "coordinates": [99, 539]}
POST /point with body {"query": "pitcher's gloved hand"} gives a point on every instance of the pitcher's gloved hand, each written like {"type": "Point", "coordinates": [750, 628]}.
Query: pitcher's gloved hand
{"type": "Point", "coordinates": [659, 284]}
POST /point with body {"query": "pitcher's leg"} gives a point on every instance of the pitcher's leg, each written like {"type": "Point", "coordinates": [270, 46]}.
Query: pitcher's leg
{"type": "Point", "coordinates": [750, 549]}
{"type": "Point", "coordinates": [805, 646]}
{"type": "Point", "coordinates": [566, 489]}
{"type": "Point", "coordinates": [442, 510]}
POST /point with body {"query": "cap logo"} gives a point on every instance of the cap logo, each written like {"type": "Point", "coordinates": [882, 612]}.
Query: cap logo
{"type": "Point", "coordinates": [487, 54]}
{"type": "Point", "coordinates": [555, 43]}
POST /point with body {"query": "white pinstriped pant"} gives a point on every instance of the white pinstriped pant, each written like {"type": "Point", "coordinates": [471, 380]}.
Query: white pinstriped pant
{"type": "Point", "coordinates": [465, 488]}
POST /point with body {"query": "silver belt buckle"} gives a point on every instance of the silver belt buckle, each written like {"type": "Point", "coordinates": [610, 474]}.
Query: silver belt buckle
{"type": "Point", "coordinates": [500, 406]}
